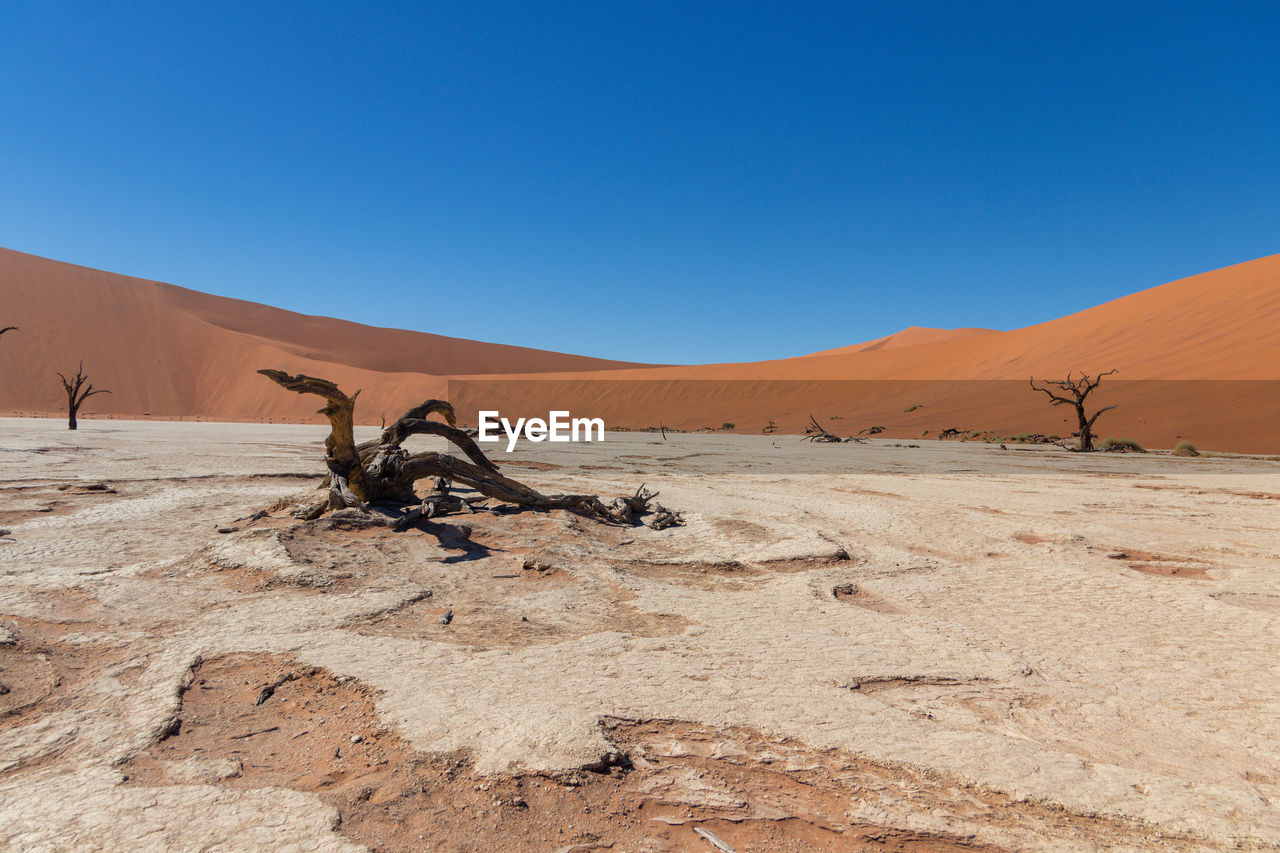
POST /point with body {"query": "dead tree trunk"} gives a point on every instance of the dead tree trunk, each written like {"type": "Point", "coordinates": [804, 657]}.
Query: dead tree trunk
{"type": "Point", "coordinates": [77, 393]}
{"type": "Point", "coordinates": [383, 472]}
{"type": "Point", "coordinates": [1079, 390]}
{"type": "Point", "coordinates": [8, 329]}
{"type": "Point", "coordinates": [816, 433]}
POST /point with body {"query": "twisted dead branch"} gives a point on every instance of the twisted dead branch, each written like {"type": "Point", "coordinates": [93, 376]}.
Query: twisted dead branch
{"type": "Point", "coordinates": [816, 433]}
{"type": "Point", "coordinates": [383, 472]}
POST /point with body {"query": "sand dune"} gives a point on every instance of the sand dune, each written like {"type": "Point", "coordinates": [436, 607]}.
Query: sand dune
{"type": "Point", "coordinates": [173, 352]}
{"type": "Point", "coordinates": [908, 337]}
{"type": "Point", "coordinates": [1198, 358]}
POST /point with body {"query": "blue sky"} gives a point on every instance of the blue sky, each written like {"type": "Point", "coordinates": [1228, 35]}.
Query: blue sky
{"type": "Point", "coordinates": [654, 182]}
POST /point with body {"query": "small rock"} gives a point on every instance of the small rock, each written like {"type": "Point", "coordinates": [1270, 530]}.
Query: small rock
{"type": "Point", "coordinates": [228, 528]}
{"type": "Point", "coordinates": [446, 618]}
{"type": "Point", "coordinates": [357, 738]}
{"type": "Point", "coordinates": [169, 728]}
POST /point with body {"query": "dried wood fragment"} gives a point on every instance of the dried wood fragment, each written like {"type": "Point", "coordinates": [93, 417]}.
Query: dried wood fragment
{"type": "Point", "coordinates": [715, 842]}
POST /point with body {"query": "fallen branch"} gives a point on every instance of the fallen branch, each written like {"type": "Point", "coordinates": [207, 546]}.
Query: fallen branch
{"type": "Point", "coordinates": [383, 472]}
{"type": "Point", "coordinates": [816, 433]}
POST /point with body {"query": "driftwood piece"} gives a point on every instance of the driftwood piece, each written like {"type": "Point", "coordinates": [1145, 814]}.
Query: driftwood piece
{"type": "Point", "coordinates": [714, 840]}
{"type": "Point", "coordinates": [383, 472]}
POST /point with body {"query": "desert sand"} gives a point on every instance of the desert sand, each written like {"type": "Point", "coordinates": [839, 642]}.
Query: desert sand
{"type": "Point", "coordinates": [1198, 360]}
{"type": "Point", "coordinates": [934, 647]}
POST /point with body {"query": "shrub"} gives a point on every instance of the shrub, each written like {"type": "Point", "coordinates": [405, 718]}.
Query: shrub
{"type": "Point", "coordinates": [1120, 445]}
{"type": "Point", "coordinates": [727, 425]}
{"type": "Point", "coordinates": [912, 408]}
{"type": "Point", "coordinates": [1185, 448]}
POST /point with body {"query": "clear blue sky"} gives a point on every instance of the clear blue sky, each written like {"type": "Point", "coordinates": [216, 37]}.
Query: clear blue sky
{"type": "Point", "coordinates": [682, 182]}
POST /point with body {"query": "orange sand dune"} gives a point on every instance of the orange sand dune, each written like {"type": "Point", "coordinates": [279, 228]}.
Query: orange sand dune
{"type": "Point", "coordinates": [908, 337]}
{"type": "Point", "coordinates": [173, 352]}
{"type": "Point", "coordinates": [1223, 324]}
{"type": "Point", "coordinates": [1198, 358]}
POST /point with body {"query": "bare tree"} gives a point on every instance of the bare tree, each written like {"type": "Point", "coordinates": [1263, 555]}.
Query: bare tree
{"type": "Point", "coordinates": [77, 393]}
{"type": "Point", "coordinates": [8, 329]}
{"type": "Point", "coordinates": [818, 434]}
{"type": "Point", "coordinates": [1078, 390]}
{"type": "Point", "coordinates": [382, 472]}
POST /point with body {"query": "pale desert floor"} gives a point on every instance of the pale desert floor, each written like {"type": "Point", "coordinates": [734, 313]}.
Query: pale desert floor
{"type": "Point", "coordinates": [846, 647]}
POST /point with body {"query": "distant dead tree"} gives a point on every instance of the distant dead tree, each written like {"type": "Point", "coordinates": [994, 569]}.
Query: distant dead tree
{"type": "Point", "coordinates": [77, 393]}
{"type": "Point", "coordinates": [818, 434]}
{"type": "Point", "coordinates": [382, 473]}
{"type": "Point", "coordinates": [1078, 390]}
{"type": "Point", "coordinates": [8, 329]}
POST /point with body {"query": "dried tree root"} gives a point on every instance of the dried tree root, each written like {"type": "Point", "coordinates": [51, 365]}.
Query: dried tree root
{"type": "Point", "coordinates": [383, 472]}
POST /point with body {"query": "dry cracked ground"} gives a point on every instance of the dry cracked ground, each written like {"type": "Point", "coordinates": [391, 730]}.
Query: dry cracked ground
{"type": "Point", "coordinates": [847, 647]}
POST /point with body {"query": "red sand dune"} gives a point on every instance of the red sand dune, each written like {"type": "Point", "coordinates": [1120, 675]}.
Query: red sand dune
{"type": "Point", "coordinates": [173, 352]}
{"type": "Point", "coordinates": [908, 337]}
{"type": "Point", "coordinates": [1198, 358]}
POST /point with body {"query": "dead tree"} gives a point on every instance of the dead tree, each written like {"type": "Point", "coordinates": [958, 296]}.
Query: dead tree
{"type": "Point", "coordinates": [77, 393]}
{"type": "Point", "coordinates": [381, 472]}
{"type": "Point", "coordinates": [815, 432]}
{"type": "Point", "coordinates": [1075, 392]}
{"type": "Point", "coordinates": [8, 329]}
